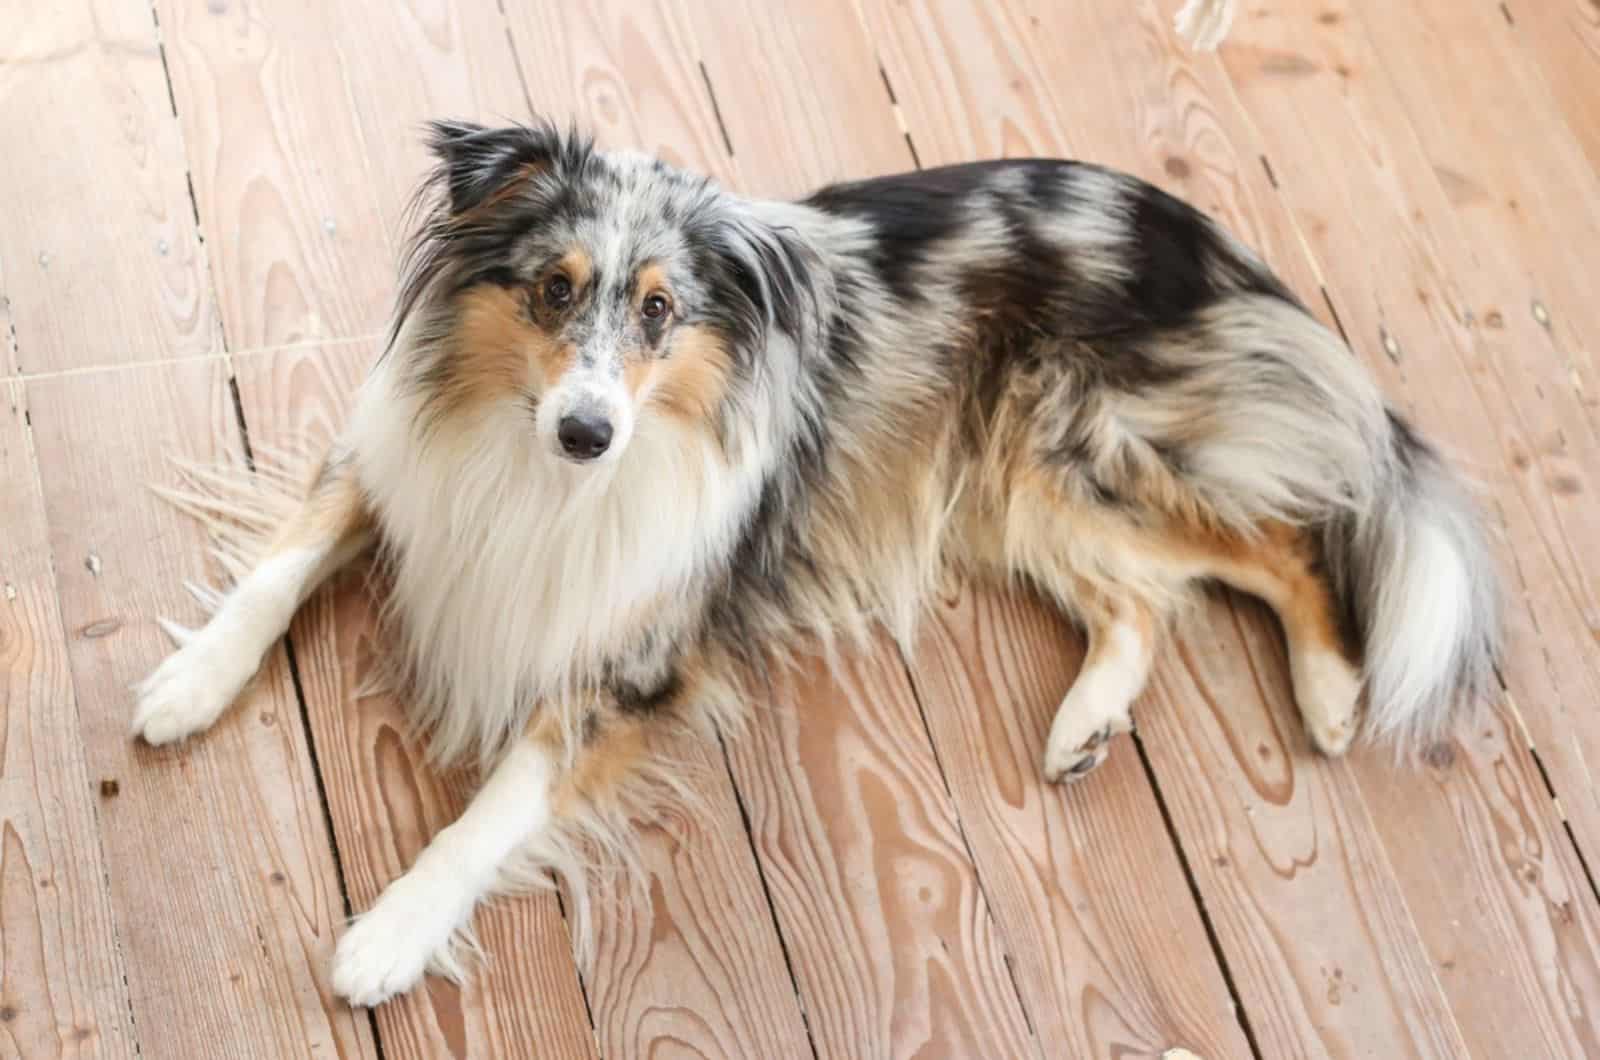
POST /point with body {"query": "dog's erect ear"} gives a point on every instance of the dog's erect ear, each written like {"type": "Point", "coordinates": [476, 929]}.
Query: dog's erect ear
{"type": "Point", "coordinates": [478, 161]}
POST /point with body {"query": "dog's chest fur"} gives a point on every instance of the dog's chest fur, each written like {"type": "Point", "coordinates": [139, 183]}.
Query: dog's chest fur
{"type": "Point", "coordinates": [517, 580]}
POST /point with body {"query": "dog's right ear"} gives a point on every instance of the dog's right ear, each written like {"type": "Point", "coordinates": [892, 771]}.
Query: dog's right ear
{"type": "Point", "coordinates": [478, 161]}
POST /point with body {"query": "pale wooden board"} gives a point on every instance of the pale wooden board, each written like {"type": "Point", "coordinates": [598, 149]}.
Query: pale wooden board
{"type": "Point", "coordinates": [1479, 377]}
{"type": "Point", "coordinates": [219, 865]}
{"type": "Point", "coordinates": [302, 123]}
{"type": "Point", "coordinates": [1113, 957]}
{"type": "Point", "coordinates": [62, 991]}
{"type": "Point", "coordinates": [102, 262]}
{"type": "Point", "coordinates": [384, 802]}
{"type": "Point", "coordinates": [1561, 38]}
{"type": "Point", "coordinates": [1522, 205]}
{"type": "Point", "coordinates": [687, 958]}
{"type": "Point", "coordinates": [893, 945]}
{"type": "Point", "coordinates": [1186, 133]}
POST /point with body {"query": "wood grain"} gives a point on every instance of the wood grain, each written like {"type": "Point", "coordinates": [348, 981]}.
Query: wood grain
{"type": "Point", "coordinates": [1480, 379]}
{"type": "Point", "coordinates": [219, 864]}
{"type": "Point", "coordinates": [303, 150]}
{"type": "Point", "coordinates": [1561, 40]}
{"type": "Point", "coordinates": [385, 804]}
{"type": "Point", "coordinates": [1510, 202]}
{"type": "Point", "coordinates": [891, 938]}
{"type": "Point", "coordinates": [687, 960]}
{"type": "Point", "coordinates": [62, 991]}
{"type": "Point", "coordinates": [102, 261]}
{"type": "Point", "coordinates": [1188, 134]}
{"type": "Point", "coordinates": [1108, 952]}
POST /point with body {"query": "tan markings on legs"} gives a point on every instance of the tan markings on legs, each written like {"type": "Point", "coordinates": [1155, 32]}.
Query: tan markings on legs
{"type": "Point", "coordinates": [1280, 568]}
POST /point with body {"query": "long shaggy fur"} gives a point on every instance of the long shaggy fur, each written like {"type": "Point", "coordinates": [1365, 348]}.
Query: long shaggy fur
{"type": "Point", "coordinates": [636, 441]}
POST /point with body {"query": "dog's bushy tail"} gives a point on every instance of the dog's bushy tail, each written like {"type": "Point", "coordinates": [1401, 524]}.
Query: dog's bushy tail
{"type": "Point", "coordinates": [1414, 572]}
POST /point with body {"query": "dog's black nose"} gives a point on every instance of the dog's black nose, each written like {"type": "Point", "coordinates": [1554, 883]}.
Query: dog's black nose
{"type": "Point", "coordinates": [584, 437]}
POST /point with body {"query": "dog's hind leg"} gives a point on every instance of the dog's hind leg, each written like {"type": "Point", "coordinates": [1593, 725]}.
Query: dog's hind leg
{"type": "Point", "coordinates": [194, 685]}
{"type": "Point", "coordinates": [1282, 568]}
{"type": "Point", "coordinates": [1099, 704]}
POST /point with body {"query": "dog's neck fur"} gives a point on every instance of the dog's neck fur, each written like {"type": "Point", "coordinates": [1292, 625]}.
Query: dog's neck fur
{"type": "Point", "coordinates": [519, 579]}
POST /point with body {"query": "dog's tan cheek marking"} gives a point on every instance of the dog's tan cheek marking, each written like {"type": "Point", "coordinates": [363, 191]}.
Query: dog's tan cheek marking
{"type": "Point", "coordinates": [493, 340]}
{"type": "Point", "coordinates": [693, 379]}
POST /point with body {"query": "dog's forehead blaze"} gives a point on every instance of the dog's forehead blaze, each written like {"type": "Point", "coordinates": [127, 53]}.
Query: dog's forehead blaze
{"type": "Point", "coordinates": [499, 343]}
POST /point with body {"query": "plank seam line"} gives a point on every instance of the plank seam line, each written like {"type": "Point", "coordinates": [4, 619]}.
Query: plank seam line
{"type": "Point", "coordinates": [305, 725]}
{"type": "Point", "coordinates": [894, 106]}
{"type": "Point", "coordinates": [583, 986]}
{"type": "Point", "coordinates": [716, 108]}
{"type": "Point", "coordinates": [766, 892]}
{"type": "Point", "coordinates": [18, 394]}
{"type": "Point", "coordinates": [966, 844]}
{"type": "Point", "coordinates": [527, 100]}
{"type": "Point", "coordinates": [905, 664]}
{"type": "Point", "coordinates": [188, 180]}
{"type": "Point", "coordinates": [1240, 1013]}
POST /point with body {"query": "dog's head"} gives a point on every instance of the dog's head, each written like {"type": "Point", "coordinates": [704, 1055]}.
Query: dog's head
{"type": "Point", "coordinates": [588, 290]}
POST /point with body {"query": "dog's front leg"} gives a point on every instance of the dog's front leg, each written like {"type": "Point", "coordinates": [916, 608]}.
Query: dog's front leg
{"type": "Point", "coordinates": [413, 925]}
{"type": "Point", "coordinates": [195, 684]}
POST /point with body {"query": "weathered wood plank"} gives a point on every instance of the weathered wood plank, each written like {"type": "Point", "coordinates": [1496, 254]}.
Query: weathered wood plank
{"type": "Point", "coordinates": [384, 802]}
{"type": "Point", "coordinates": [1186, 132]}
{"type": "Point", "coordinates": [102, 261]}
{"type": "Point", "coordinates": [220, 867]}
{"type": "Point", "coordinates": [891, 938]}
{"type": "Point", "coordinates": [1561, 40]}
{"type": "Point", "coordinates": [61, 973]}
{"type": "Point", "coordinates": [303, 155]}
{"type": "Point", "coordinates": [1114, 957]}
{"type": "Point", "coordinates": [1430, 304]}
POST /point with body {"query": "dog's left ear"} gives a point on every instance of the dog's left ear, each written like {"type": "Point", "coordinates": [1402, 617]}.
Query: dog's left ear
{"type": "Point", "coordinates": [478, 161]}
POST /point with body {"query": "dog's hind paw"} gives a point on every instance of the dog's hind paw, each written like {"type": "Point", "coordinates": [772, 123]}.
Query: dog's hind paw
{"type": "Point", "coordinates": [1067, 764]}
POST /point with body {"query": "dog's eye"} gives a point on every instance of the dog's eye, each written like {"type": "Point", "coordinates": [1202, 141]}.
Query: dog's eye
{"type": "Point", "coordinates": [655, 307]}
{"type": "Point", "coordinates": [558, 290]}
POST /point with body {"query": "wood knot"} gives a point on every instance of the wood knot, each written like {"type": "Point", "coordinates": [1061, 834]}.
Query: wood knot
{"type": "Point", "coordinates": [110, 788]}
{"type": "Point", "coordinates": [1441, 755]}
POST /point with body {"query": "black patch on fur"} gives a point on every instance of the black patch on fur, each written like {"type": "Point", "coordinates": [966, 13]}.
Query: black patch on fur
{"type": "Point", "coordinates": [478, 161]}
{"type": "Point", "coordinates": [911, 212]}
{"type": "Point", "coordinates": [637, 701]}
{"type": "Point", "coordinates": [1170, 247]}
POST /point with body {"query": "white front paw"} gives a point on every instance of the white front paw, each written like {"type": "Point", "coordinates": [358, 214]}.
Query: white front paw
{"type": "Point", "coordinates": [388, 948]}
{"type": "Point", "coordinates": [192, 687]}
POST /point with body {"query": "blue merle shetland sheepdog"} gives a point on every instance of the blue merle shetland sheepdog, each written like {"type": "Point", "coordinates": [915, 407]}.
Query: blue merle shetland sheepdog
{"type": "Point", "coordinates": [635, 438]}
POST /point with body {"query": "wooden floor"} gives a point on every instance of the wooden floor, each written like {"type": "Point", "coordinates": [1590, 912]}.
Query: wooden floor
{"type": "Point", "coordinates": [199, 211]}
